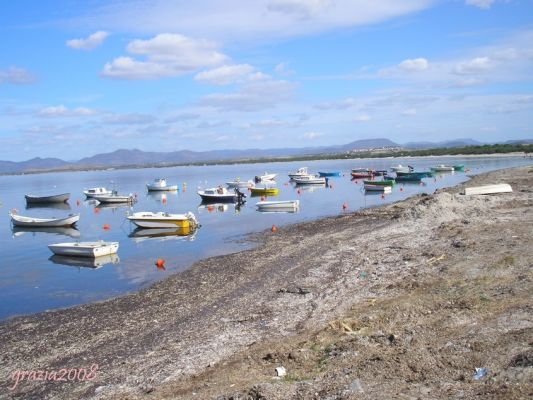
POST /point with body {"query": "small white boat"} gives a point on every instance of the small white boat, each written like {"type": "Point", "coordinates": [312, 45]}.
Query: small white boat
{"type": "Point", "coordinates": [265, 177]}
{"type": "Point", "coordinates": [219, 195]}
{"type": "Point", "coordinates": [301, 172]}
{"type": "Point", "coordinates": [114, 197]}
{"type": "Point", "coordinates": [20, 220]}
{"type": "Point", "coordinates": [443, 168]}
{"type": "Point", "coordinates": [278, 206]}
{"type": "Point", "coordinates": [160, 184]}
{"type": "Point", "coordinates": [56, 198]}
{"type": "Point", "coordinates": [237, 183]}
{"type": "Point", "coordinates": [89, 193]}
{"type": "Point", "coordinates": [377, 188]}
{"type": "Point", "coordinates": [146, 219]}
{"type": "Point", "coordinates": [310, 180]}
{"type": "Point", "coordinates": [401, 168]}
{"type": "Point", "coordinates": [84, 249]}
{"type": "Point", "coordinates": [488, 189]}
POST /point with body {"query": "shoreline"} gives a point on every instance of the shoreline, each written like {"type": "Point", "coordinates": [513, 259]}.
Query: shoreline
{"type": "Point", "coordinates": [166, 336]}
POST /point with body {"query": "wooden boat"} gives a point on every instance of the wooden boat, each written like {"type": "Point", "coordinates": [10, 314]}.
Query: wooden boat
{"type": "Point", "coordinates": [301, 172]}
{"type": "Point", "coordinates": [442, 168]}
{"type": "Point", "coordinates": [362, 173]}
{"type": "Point", "coordinates": [237, 183]}
{"type": "Point", "coordinates": [84, 249]}
{"type": "Point", "coordinates": [377, 188]}
{"type": "Point", "coordinates": [56, 198]}
{"type": "Point", "coordinates": [265, 177]}
{"type": "Point", "coordinates": [89, 193]}
{"type": "Point", "coordinates": [85, 262]}
{"type": "Point", "coordinates": [458, 167]}
{"type": "Point", "coordinates": [114, 197]}
{"type": "Point", "coordinates": [310, 180]}
{"type": "Point", "coordinates": [266, 191]}
{"type": "Point", "coordinates": [221, 195]}
{"type": "Point", "coordinates": [329, 174]}
{"type": "Point", "coordinates": [20, 220]}
{"type": "Point", "coordinates": [278, 206]}
{"type": "Point", "coordinates": [146, 219]}
{"type": "Point", "coordinates": [385, 182]}
{"type": "Point", "coordinates": [160, 185]}
{"type": "Point", "coordinates": [401, 168]}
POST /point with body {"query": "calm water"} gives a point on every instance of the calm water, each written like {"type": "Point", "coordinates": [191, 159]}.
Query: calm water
{"type": "Point", "coordinates": [32, 281]}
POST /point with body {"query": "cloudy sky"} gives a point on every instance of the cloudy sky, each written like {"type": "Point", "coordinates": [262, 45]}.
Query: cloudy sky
{"type": "Point", "coordinates": [84, 77]}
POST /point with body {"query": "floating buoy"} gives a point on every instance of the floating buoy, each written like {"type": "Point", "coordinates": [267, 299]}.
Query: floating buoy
{"type": "Point", "coordinates": [356, 182]}
{"type": "Point", "coordinates": [382, 196]}
{"type": "Point", "coordinates": [96, 210]}
{"type": "Point", "coordinates": [298, 191]}
{"type": "Point", "coordinates": [262, 198]}
{"type": "Point", "coordinates": [331, 186]}
{"type": "Point", "coordinates": [164, 200]}
{"type": "Point", "coordinates": [401, 189]}
{"type": "Point", "coordinates": [106, 227]}
{"type": "Point", "coordinates": [210, 208]}
{"type": "Point", "coordinates": [77, 203]}
{"type": "Point", "coordinates": [344, 207]}
{"type": "Point", "coordinates": [160, 263]}
{"type": "Point", "coordinates": [273, 229]}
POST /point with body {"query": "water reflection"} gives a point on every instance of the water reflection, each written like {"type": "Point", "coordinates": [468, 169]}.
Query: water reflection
{"type": "Point", "coordinates": [85, 262]}
{"type": "Point", "coordinates": [62, 231]}
{"type": "Point", "coordinates": [219, 207]}
{"type": "Point", "coordinates": [141, 234]}
{"type": "Point", "coordinates": [56, 206]}
{"type": "Point", "coordinates": [161, 197]}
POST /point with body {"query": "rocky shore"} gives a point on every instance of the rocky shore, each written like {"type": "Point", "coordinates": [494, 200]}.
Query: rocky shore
{"type": "Point", "coordinates": [400, 301]}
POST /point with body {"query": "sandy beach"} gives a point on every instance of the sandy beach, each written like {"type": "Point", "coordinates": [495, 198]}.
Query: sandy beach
{"type": "Point", "coordinates": [400, 301]}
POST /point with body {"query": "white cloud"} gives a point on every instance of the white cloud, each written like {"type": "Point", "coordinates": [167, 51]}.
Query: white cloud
{"type": "Point", "coordinates": [16, 76]}
{"type": "Point", "coordinates": [62, 111]}
{"type": "Point", "coordinates": [337, 105]}
{"type": "Point", "coordinates": [474, 66]}
{"type": "Point", "coordinates": [92, 42]}
{"type": "Point", "coordinates": [129, 119]}
{"type": "Point", "coordinates": [409, 112]}
{"type": "Point", "coordinates": [167, 55]}
{"type": "Point", "coordinates": [283, 69]}
{"type": "Point", "coordinates": [363, 118]}
{"type": "Point", "coordinates": [311, 135]}
{"type": "Point", "coordinates": [303, 9]}
{"type": "Point", "coordinates": [228, 74]}
{"type": "Point", "coordinates": [416, 64]}
{"type": "Point", "coordinates": [484, 4]}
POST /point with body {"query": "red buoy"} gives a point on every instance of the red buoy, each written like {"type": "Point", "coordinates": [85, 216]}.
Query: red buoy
{"type": "Point", "coordinates": [106, 227]}
{"type": "Point", "coordinates": [160, 263]}
{"type": "Point", "coordinates": [77, 202]}
{"type": "Point", "coordinates": [344, 207]}
{"type": "Point", "coordinates": [273, 229]}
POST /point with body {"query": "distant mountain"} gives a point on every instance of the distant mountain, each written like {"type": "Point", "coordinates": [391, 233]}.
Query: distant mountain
{"type": "Point", "coordinates": [519, 141]}
{"type": "Point", "coordinates": [448, 143]}
{"type": "Point", "coordinates": [35, 164]}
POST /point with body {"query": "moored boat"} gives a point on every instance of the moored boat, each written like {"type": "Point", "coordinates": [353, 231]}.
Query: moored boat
{"type": "Point", "coordinates": [401, 168]}
{"type": "Point", "coordinates": [300, 172]}
{"type": "Point", "coordinates": [278, 206]}
{"type": "Point", "coordinates": [160, 184]}
{"type": "Point", "coordinates": [221, 195]}
{"type": "Point", "coordinates": [147, 219]}
{"type": "Point", "coordinates": [329, 174]}
{"type": "Point", "coordinates": [20, 220]}
{"type": "Point", "coordinates": [89, 193]}
{"type": "Point", "coordinates": [265, 177]}
{"type": "Point", "coordinates": [421, 174]}
{"type": "Point", "coordinates": [84, 249]}
{"type": "Point", "coordinates": [114, 197]}
{"type": "Point", "coordinates": [408, 178]}
{"type": "Point", "coordinates": [362, 173]}
{"type": "Point", "coordinates": [310, 180]}
{"type": "Point", "coordinates": [56, 198]}
{"type": "Point", "coordinates": [458, 167]}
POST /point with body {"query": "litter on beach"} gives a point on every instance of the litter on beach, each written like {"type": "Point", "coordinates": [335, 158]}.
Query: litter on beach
{"type": "Point", "coordinates": [488, 189]}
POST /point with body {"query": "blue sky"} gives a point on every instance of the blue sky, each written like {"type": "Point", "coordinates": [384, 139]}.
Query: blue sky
{"type": "Point", "coordinates": [84, 77]}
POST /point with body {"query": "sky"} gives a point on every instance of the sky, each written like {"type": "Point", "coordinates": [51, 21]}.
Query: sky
{"type": "Point", "coordinates": [78, 78]}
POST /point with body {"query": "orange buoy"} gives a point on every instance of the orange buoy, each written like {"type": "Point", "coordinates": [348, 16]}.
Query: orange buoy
{"type": "Point", "coordinates": [96, 210]}
{"type": "Point", "coordinates": [77, 202]}
{"type": "Point", "coordinates": [106, 227]}
{"type": "Point", "coordinates": [160, 263]}
{"type": "Point", "coordinates": [273, 229]}
{"type": "Point", "coordinates": [210, 208]}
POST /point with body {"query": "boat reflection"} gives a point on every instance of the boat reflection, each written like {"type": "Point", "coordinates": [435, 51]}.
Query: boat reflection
{"type": "Point", "coordinates": [140, 234]}
{"type": "Point", "coordinates": [113, 206]}
{"type": "Point", "coordinates": [56, 206]}
{"type": "Point", "coordinates": [85, 262]}
{"type": "Point", "coordinates": [64, 231]}
{"type": "Point", "coordinates": [161, 197]}
{"type": "Point", "coordinates": [219, 207]}
{"type": "Point", "coordinates": [309, 188]}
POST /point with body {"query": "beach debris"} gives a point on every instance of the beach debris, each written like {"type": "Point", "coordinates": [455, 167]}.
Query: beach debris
{"type": "Point", "coordinates": [294, 290]}
{"type": "Point", "coordinates": [433, 260]}
{"type": "Point", "coordinates": [281, 371]}
{"type": "Point", "coordinates": [488, 189]}
{"type": "Point", "coordinates": [480, 373]}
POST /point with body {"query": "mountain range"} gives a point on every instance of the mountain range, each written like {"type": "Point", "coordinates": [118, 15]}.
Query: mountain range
{"type": "Point", "coordinates": [124, 157]}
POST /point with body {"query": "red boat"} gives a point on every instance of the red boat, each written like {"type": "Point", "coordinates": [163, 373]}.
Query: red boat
{"type": "Point", "coordinates": [362, 173]}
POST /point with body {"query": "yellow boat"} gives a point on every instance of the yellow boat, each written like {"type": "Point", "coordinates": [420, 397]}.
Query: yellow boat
{"type": "Point", "coordinates": [265, 191]}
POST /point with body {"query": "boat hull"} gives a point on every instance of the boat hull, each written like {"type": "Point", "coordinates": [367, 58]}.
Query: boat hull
{"type": "Point", "coordinates": [329, 174]}
{"type": "Point", "coordinates": [114, 199]}
{"type": "Point", "coordinates": [57, 198]}
{"type": "Point", "coordinates": [361, 175]}
{"type": "Point", "coordinates": [19, 220]}
{"type": "Point", "coordinates": [84, 249]}
{"type": "Point", "coordinates": [152, 188]}
{"type": "Point", "coordinates": [388, 182]}
{"type": "Point", "coordinates": [209, 198]}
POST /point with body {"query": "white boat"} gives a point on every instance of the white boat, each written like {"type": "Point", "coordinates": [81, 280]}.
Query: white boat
{"type": "Point", "coordinates": [401, 168]}
{"type": "Point", "coordinates": [89, 193]}
{"type": "Point", "coordinates": [146, 219]}
{"type": "Point", "coordinates": [237, 183]}
{"type": "Point", "coordinates": [301, 172]}
{"type": "Point", "coordinates": [219, 195]}
{"type": "Point", "coordinates": [377, 188]}
{"type": "Point", "coordinates": [310, 180]}
{"type": "Point", "coordinates": [55, 198]}
{"type": "Point", "coordinates": [265, 177]}
{"type": "Point", "coordinates": [160, 184]}
{"type": "Point", "coordinates": [488, 189]}
{"type": "Point", "coordinates": [114, 197]}
{"type": "Point", "coordinates": [84, 249]}
{"type": "Point", "coordinates": [443, 168]}
{"type": "Point", "coordinates": [279, 206]}
{"type": "Point", "coordinates": [20, 220]}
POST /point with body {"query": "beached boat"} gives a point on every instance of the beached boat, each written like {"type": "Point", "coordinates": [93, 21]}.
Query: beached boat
{"type": "Point", "coordinates": [20, 220]}
{"type": "Point", "coordinates": [377, 188]}
{"type": "Point", "coordinates": [221, 195]}
{"type": "Point", "coordinates": [362, 173]}
{"type": "Point", "coordinates": [160, 185]}
{"type": "Point", "coordinates": [237, 183]}
{"type": "Point", "coordinates": [385, 182]}
{"type": "Point", "coordinates": [488, 189]}
{"type": "Point", "coordinates": [301, 172]}
{"type": "Point", "coordinates": [84, 249]}
{"type": "Point", "coordinates": [89, 193]}
{"type": "Point", "coordinates": [146, 219]}
{"type": "Point", "coordinates": [265, 177]}
{"type": "Point", "coordinates": [114, 197]}
{"type": "Point", "coordinates": [310, 180]}
{"type": "Point", "coordinates": [278, 206]}
{"type": "Point", "coordinates": [442, 168]}
{"type": "Point", "coordinates": [401, 168]}
{"type": "Point", "coordinates": [329, 174]}
{"type": "Point", "coordinates": [265, 191]}
{"type": "Point", "coordinates": [55, 198]}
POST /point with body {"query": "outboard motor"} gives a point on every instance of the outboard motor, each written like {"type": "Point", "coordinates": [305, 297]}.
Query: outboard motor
{"type": "Point", "coordinates": [240, 196]}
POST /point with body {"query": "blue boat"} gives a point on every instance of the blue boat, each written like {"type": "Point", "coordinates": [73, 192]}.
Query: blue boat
{"type": "Point", "coordinates": [327, 174]}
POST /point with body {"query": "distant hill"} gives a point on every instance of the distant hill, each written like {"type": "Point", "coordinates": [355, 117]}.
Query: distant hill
{"type": "Point", "coordinates": [35, 164]}
{"type": "Point", "coordinates": [447, 143]}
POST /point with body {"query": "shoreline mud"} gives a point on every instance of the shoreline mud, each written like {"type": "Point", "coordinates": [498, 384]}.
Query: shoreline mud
{"type": "Point", "coordinates": [403, 300]}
